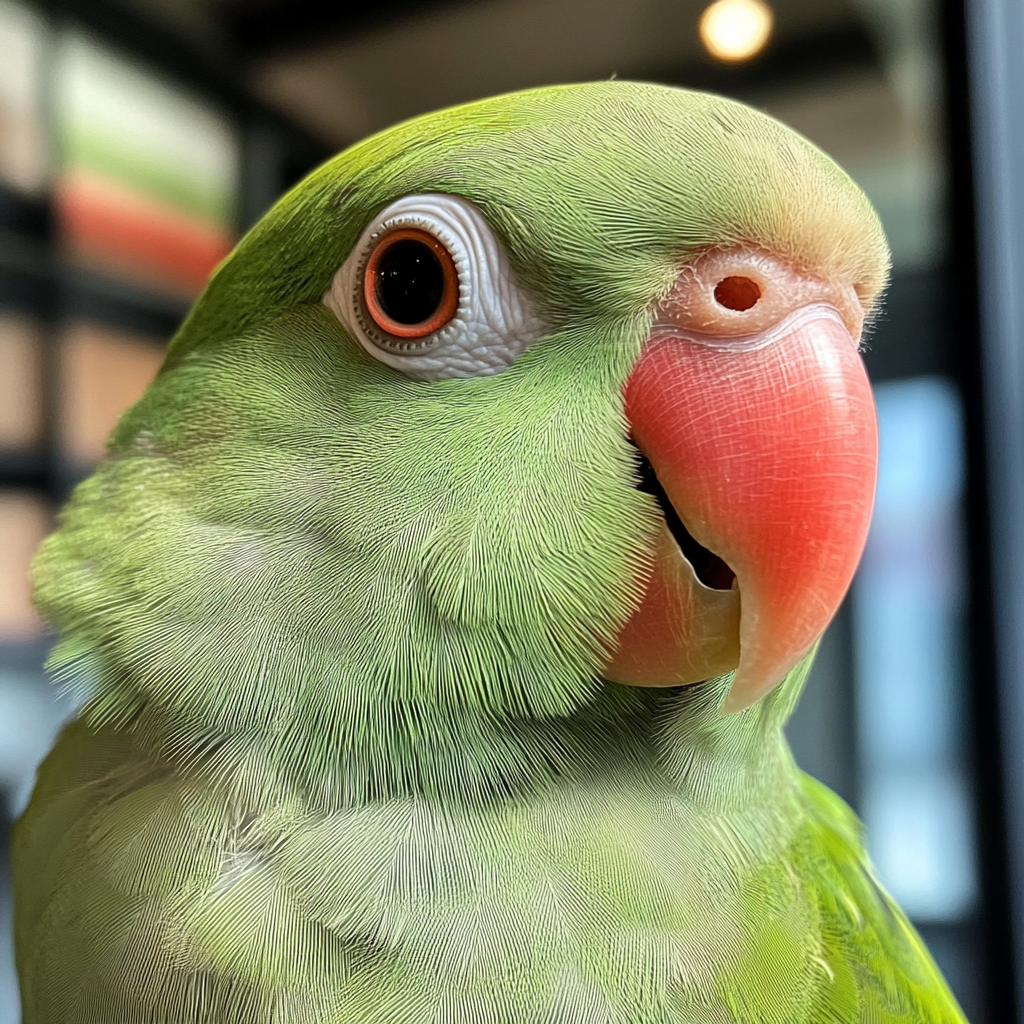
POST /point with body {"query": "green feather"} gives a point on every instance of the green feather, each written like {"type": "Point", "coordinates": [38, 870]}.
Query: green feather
{"type": "Point", "coordinates": [347, 755]}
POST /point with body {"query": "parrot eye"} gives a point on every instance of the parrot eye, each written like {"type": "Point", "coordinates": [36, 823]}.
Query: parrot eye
{"type": "Point", "coordinates": [428, 290]}
{"type": "Point", "coordinates": [410, 285]}
{"type": "Point", "coordinates": [737, 293]}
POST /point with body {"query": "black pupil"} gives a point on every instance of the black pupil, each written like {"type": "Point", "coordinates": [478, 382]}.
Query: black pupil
{"type": "Point", "coordinates": [410, 282]}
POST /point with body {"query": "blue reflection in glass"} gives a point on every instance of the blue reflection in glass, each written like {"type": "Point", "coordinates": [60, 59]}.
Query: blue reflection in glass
{"type": "Point", "coordinates": [909, 642]}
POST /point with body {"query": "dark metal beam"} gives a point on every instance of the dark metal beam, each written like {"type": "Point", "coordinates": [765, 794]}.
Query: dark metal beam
{"type": "Point", "coordinates": [292, 24]}
{"type": "Point", "coordinates": [984, 81]}
{"type": "Point", "coordinates": [785, 62]}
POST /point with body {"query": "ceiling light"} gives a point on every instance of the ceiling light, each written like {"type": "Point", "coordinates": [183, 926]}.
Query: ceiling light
{"type": "Point", "coordinates": [736, 29]}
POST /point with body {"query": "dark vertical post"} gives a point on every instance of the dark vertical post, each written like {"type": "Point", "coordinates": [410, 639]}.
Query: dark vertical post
{"type": "Point", "coordinates": [984, 46]}
{"type": "Point", "coordinates": [262, 172]}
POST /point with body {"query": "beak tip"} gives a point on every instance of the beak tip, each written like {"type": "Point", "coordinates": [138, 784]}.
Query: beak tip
{"type": "Point", "coordinates": [733, 703]}
{"type": "Point", "coordinates": [743, 694]}
{"type": "Point", "coordinates": [749, 686]}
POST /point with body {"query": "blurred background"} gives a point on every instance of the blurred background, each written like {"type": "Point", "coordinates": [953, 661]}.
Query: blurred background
{"type": "Point", "coordinates": [139, 138]}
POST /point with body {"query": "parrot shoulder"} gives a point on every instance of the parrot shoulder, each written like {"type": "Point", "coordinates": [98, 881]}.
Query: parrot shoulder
{"type": "Point", "coordinates": [131, 883]}
{"type": "Point", "coordinates": [872, 952]}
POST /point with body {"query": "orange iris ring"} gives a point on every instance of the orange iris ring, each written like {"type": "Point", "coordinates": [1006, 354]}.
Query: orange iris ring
{"type": "Point", "coordinates": [449, 298]}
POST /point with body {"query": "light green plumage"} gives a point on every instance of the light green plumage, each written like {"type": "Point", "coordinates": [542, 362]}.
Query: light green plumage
{"type": "Point", "coordinates": [347, 756]}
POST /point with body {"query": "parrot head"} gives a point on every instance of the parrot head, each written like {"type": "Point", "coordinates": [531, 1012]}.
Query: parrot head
{"type": "Point", "coordinates": [499, 407]}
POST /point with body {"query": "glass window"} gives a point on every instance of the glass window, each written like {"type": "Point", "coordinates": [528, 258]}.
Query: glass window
{"type": "Point", "coordinates": [21, 382]}
{"type": "Point", "coordinates": [24, 521]}
{"type": "Point", "coordinates": [909, 629]}
{"type": "Point", "coordinates": [22, 137]}
{"type": "Point", "coordinates": [102, 371]}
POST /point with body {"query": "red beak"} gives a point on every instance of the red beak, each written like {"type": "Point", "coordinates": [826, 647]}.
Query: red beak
{"type": "Point", "coordinates": [767, 448]}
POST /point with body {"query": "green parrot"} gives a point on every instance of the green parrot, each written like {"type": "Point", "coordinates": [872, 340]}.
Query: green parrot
{"type": "Point", "coordinates": [439, 607]}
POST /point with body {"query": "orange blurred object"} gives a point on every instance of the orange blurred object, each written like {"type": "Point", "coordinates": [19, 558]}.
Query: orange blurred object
{"type": "Point", "coordinates": [116, 229]}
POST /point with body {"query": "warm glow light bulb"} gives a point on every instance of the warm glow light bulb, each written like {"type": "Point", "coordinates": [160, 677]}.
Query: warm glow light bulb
{"type": "Point", "coordinates": [736, 29]}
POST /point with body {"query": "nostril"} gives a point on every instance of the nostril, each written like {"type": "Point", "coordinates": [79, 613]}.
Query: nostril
{"type": "Point", "coordinates": [737, 293]}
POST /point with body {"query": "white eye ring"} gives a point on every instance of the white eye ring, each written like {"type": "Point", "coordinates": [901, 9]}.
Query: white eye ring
{"type": "Point", "coordinates": [495, 320]}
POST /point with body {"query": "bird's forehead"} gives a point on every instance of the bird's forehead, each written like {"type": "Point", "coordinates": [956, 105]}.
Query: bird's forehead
{"type": "Point", "coordinates": [614, 175]}
{"type": "Point", "coordinates": [598, 192]}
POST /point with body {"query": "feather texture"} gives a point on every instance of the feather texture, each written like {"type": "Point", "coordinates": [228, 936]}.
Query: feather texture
{"type": "Point", "coordinates": [347, 755]}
